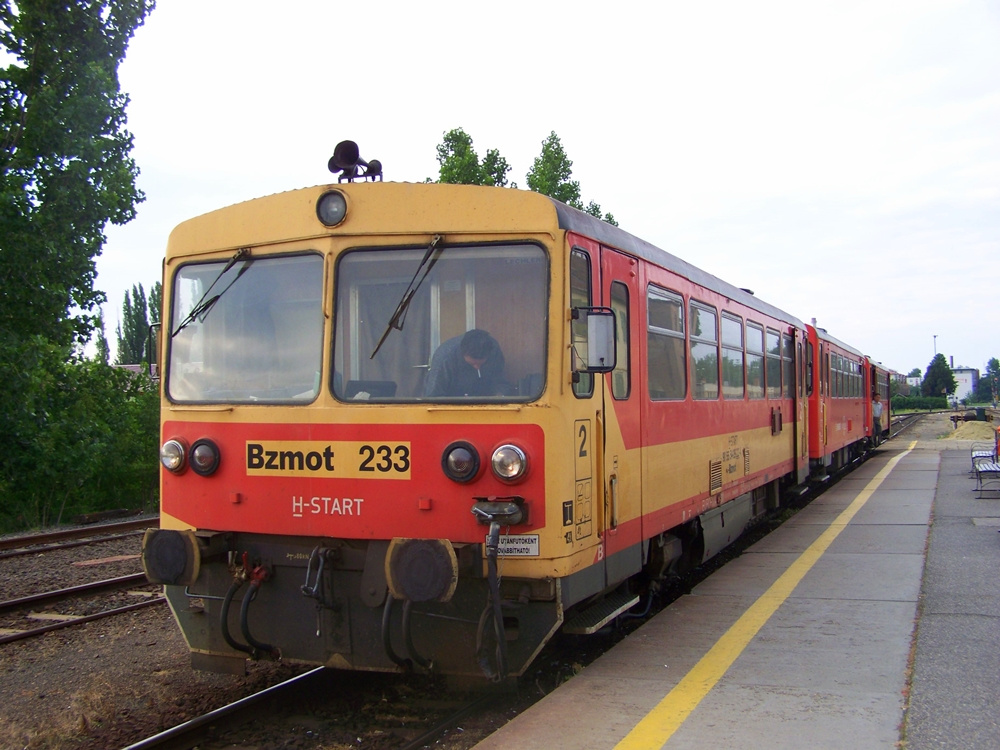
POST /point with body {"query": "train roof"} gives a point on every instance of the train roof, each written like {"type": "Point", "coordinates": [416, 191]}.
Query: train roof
{"type": "Point", "coordinates": [403, 208]}
{"type": "Point", "coordinates": [822, 333]}
{"type": "Point", "coordinates": [583, 223]}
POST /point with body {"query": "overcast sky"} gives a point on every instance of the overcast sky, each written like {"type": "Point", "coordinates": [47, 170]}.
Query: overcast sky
{"type": "Point", "coordinates": [841, 159]}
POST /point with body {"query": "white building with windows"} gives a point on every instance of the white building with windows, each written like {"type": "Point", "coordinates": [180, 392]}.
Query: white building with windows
{"type": "Point", "coordinates": [967, 379]}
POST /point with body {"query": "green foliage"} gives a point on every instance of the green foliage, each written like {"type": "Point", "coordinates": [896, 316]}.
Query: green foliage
{"type": "Point", "coordinates": [70, 429]}
{"type": "Point", "coordinates": [155, 302]}
{"type": "Point", "coordinates": [80, 436]}
{"type": "Point", "coordinates": [919, 403]}
{"type": "Point", "coordinates": [551, 172]}
{"type": "Point", "coordinates": [133, 331]}
{"type": "Point", "coordinates": [550, 175]}
{"type": "Point", "coordinates": [460, 163]}
{"type": "Point", "coordinates": [103, 348]}
{"type": "Point", "coordinates": [594, 209]}
{"type": "Point", "coordinates": [65, 170]}
{"type": "Point", "coordinates": [939, 379]}
{"type": "Point", "coordinates": [988, 388]}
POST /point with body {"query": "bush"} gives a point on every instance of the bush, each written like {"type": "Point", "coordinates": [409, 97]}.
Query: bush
{"type": "Point", "coordinates": [919, 403]}
{"type": "Point", "coordinates": [79, 437]}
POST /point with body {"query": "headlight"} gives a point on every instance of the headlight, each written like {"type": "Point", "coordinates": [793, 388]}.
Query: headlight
{"type": "Point", "coordinates": [204, 457]}
{"type": "Point", "coordinates": [172, 455]}
{"type": "Point", "coordinates": [460, 461]}
{"type": "Point", "coordinates": [509, 463]}
{"type": "Point", "coordinates": [331, 208]}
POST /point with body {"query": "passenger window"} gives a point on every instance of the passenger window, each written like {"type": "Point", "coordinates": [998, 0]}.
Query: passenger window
{"type": "Point", "coordinates": [773, 364]}
{"type": "Point", "coordinates": [732, 356]}
{"type": "Point", "coordinates": [621, 377]}
{"type": "Point", "coordinates": [579, 296]}
{"type": "Point", "coordinates": [755, 361]}
{"type": "Point", "coordinates": [704, 352]}
{"type": "Point", "coordinates": [787, 365]}
{"type": "Point", "coordinates": [667, 368]}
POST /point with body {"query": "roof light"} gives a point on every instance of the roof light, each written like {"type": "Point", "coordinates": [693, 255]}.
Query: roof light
{"type": "Point", "coordinates": [331, 208]}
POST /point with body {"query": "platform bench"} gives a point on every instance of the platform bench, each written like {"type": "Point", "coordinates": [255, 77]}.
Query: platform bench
{"type": "Point", "coordinates": [983, 451]}
{"type": "Point", "coordinates": [987, 472]}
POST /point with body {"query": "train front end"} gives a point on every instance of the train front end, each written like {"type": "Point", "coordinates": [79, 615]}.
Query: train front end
{"type": "Point", "coordinates": [332, 493]}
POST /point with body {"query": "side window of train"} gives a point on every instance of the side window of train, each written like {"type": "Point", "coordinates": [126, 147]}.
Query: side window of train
{"type": "Point", "coordinates": [773, 364]}
{"type": "Point", "coordinates": [787, 366]}
{"type": "Point", "coordinates": [666, 359]}
{"type": "Point", "coordinates": [755, 360]}
{"type": "Point", "coordinates": [825, 371]}
{"type": "Point", "coordinates": [621, 377]}
{"type": "Point", "coordinates": [732, 356]}
{"type": "Point", "coordinates": [809, 368]}
{"type": "Point", "coordinates": [704, 351]}
{"type": "Point", "coordinates": [579, 296]}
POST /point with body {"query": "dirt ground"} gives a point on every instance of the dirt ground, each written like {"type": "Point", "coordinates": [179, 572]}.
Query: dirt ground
{"type": "Point", "coordinates": [110, 683]}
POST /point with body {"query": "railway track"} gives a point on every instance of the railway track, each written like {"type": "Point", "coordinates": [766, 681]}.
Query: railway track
{"type": "Point", "coordinates": [48, 541]}
{"type": "Point", "coordinates": [52, 585]}
{"type": "Point", "coordinates": [308, 707]}
{"type": "Point", "coordinates": [9, 609]}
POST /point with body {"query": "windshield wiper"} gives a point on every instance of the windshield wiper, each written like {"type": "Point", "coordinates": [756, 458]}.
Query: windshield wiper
{"type": "Point", "coordinates": [399, 317]}
{"type": "Point", "coordinates": [206, 303]}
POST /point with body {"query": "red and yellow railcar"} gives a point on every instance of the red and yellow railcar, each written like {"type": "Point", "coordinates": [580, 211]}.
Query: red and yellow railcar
{"type": "Point", "coordinates": [345, 483]}
{"type": "Point", "coordinates": [880, 382]}
{"type": "Point", "coordinates": [840, 424]}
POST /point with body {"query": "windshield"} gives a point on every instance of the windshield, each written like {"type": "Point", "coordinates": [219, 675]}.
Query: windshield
{"type": "Point", "coordinates": [441, 323]}
{"type": "Point", "coordinates": [261, 339]}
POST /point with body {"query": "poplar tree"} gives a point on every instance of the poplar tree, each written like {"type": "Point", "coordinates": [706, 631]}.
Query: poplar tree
{"type": "Point", "coordinates": [551, 175]}
{"type": "Point", "coordinates": [133, 330]}
{"type": "Point", "coordinates": [460, 164]}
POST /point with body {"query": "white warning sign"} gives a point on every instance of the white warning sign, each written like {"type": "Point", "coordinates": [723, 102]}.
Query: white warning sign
{"type": "Point", "coordinates": [518, 545]}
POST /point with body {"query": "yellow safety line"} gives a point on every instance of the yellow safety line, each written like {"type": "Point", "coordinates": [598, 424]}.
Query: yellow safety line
{"type": "Point", "coordinates": [666, 718]}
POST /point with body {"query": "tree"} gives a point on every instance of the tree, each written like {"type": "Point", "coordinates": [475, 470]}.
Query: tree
{"type": "Point", "coordinates": [914, 373]}
{"type": "Point", "coordinates": [460, 163]}
{"type": "Point", "coordinates": [103, 348]}
{"type": "Point", "coordinates": [594, 209]}
{"type": "Point", "coordinates": [551, 175]}
{"type": "Point", "coordinates": [65, 169]}
{"type": "Point", "coordinates": [133, 330]}
{"type": "Point", "coordinates": [551, 172]}
{"type": "Point", "coordinates": [155, 302]}
{"type": "Point", "coordinates": [65, 173]}
{"type": "Point", "coordinates": [989, 383]}
{"type": "Point", "coordinates": [939, 379]}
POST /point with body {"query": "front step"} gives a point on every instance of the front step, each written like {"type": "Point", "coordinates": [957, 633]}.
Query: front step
{"type": "Point", "coordinates": [596, 616]}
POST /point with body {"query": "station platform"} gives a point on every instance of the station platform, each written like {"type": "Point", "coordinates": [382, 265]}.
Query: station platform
{"type": "Point", "coordinates": [870, 619]}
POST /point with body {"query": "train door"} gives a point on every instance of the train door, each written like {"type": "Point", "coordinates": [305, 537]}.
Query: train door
{"type": "Point", "coordinates": [582, 516]}
{"type": "Point", "coordinates": [801, 407]}
{"type": "Point", "coordinates": [621, 393]}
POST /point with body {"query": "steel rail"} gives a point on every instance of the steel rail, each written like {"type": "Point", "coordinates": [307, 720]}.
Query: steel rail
{"type": "Point", "coordinates": [22, 635]}
{"type": "Point", "coordinates": [111, 529]}
{"type": "Point", "coordinates": [83, 588]}
{"type": "Point", "coordinates": [190, 733]}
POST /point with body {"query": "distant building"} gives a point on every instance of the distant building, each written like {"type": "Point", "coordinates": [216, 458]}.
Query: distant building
{"type": "Point", "coordinates": [967, 379]}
